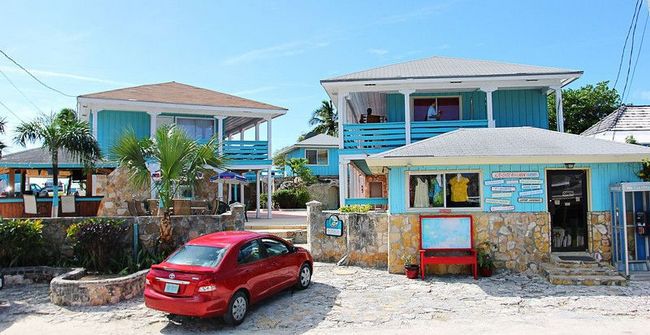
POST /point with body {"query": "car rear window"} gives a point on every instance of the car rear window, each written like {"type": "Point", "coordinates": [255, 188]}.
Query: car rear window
{"type": "Point", "coordinates": [197, 255]}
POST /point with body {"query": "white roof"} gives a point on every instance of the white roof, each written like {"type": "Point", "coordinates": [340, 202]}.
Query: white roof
{"type": "Point", "coordinates": [445, 67]}
{"type": "Point", "coordinates": [625, 118]}
{"type": "Point", "coordinates": [517, 145]}
{"type": "Point", "coordinates": [318, 141]}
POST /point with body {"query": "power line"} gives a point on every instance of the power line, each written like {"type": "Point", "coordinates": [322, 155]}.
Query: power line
{"type": "Point", "coordinates": [33, 76]}
{"type": "Point", "coordinates": [638, 53]}
{"type": "Point", "coordinates": [627, 37]}
{"type": "Point", "coordinates": [19, 91]}
{"type": "Point", "coordinates": [629, 62]}
{"type": "Point", "coordinates": [11, 111]}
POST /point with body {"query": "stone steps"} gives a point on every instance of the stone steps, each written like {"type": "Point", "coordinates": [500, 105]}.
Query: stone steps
{"type": "Point", "coordinates": [548, 269]}
{"type": "Point", "coordinates": [587, 280]}
{"type": "Point", "coordinates": [581, 272]}
{"type": "Point", "coordinates": [295, 236]}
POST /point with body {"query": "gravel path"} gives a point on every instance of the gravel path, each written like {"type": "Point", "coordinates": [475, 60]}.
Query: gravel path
{"type": "Point", "coordinates": [356, 300]}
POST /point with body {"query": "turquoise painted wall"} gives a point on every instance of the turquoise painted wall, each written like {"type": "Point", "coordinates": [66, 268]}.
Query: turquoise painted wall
{"type": "Point", "coordinates": [511, 108]}
{"type": "Point", "coordinates": [601, 175]}
{"type": "Point", "coordinates": [112, 124]}
{"type": "Point", "coordinates": [331, 169]}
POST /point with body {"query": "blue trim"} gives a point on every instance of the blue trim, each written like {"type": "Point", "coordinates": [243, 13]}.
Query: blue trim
{"type": "Point", "coordinates": [366, 201]}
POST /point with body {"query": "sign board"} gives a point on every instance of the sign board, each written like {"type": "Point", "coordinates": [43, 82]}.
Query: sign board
{"type": "Point", "coordinates": [334, 226]}
{"type": "Point", "coordinates": [533, 192]}
{"type": "Point", "coordinates": [531, 187]}
{"type": "Point", "coordinates": [502, 208]}
{"type": "Point", "coordinates": [446, 232]}
{"type": "Point", "coordinates": [530, 200]}
{"type": "Point", "coordinates": [531, 174]}
{"type": "Point", "coordinates": [494, 182]}
{"type": "Point", "coordinates": [530, 181]}
{"type": "Point", "coordinates": [503, 188]}
{"type": "Point", "coordinates": [497, 201]}
{"type": "Point", "coordinates": [502, 195]}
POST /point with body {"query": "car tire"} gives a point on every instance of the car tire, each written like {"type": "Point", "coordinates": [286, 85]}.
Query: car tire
{"type": "Point", "coordinates": [304, 277]}
{"type": "Point", "coordinates": [237, 309]}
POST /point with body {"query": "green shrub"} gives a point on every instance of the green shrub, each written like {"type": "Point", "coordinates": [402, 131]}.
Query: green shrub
{"type": "Point", "coordinates": [296, 198]}
{"type": "Point", "coordinates": [302, 198]}
{"type": "Point", "coordinates": [100, 244]}
{"type": "Point", "coordinates": [356, 208]}
{"type": "Point", "coordinates": [21, 242]}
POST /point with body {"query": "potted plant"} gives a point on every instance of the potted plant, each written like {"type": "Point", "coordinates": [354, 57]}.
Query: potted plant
{"type": "Point", "coordinates": [411, 268]}
{"type": "Point", "coordinates": [485, 259]}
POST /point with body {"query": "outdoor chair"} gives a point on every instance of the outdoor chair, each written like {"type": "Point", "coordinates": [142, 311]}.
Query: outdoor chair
{"type": "Point", "coordinates": [199, 207]}
{"type": "Point", "coordinates": [29, 202]}
{"type": "Point", "coordinates": [68, 204]}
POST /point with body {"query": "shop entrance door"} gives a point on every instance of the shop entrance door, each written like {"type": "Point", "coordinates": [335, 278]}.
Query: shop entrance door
{"type": "Point", "coordinates": [567, 203]}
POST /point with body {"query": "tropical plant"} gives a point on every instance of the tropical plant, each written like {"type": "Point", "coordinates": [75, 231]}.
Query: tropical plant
{"type": "Point", "coordinates": [22, 242]}
{"type": "Point", "coordinates": [292, 198]}
{"type": "Point", "coordinates": [182, 161]}
{"type": "Point", "coordinates": [631, 140]}
{"type": "Point", "coordinates": [356, 209]}
{"type": "Point", "coordinates": [484, 255]}
{"type": "Point", "coordinates": [3, 123]}
{"type": "Point", "coordinates": [325, 118]}
{"type": "Point", "coordinates": [584, 106]}
{"type": "Point", "coordinates": [98, 242]}
{"type": "Point", "coordinates": [409, 260]}
{"type": "Point", "coordinates": [280, 160]}
{"type": "Point", "coordinates": [644, 173]}
{"type": "Point", "coordinates": [298, 167]}
{"type": "Point", "coordinates": [60, 132]}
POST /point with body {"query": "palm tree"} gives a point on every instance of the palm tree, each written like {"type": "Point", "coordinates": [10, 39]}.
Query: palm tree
{"type": "Point", "coordinates": [325, 118]}
{"type": "Point", "coordinates": [60, 132]}
{"type": "Point", "coordinates": [3, 123]}
{"type": "Point", "coordinates": [181, 161]}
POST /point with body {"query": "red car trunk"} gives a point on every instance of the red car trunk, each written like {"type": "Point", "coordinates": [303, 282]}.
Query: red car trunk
{"type": "Point", "coordinates": [178, 280]}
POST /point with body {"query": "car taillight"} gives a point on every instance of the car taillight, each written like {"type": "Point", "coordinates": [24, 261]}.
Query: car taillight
{"type": "Point", "coordinates": [207, 288]}
{"type": "Point", "coordinates": [147, 281]}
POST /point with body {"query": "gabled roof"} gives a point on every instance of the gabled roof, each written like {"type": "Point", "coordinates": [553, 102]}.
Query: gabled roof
{"type": "Point", "coordinates": [624, 118]}
{"type": "Point", "coordinates": [42, 158]}
{"type": "Point", "coordinates": [318, 141]}
{"type": "Point", "coordinates": [517, 145]}
{"type": "Point", "coordinates": [177, 93]}
{"type": "Point", "coordinates": [445, 67]}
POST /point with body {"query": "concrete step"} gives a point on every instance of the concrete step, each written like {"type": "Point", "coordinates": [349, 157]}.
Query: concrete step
{"type": "Point", "coordinates": [553, 269]}
{"type": "Point", "coordinates": [591, 280]}
{"type": "Point", "coordinates": [296, 236]}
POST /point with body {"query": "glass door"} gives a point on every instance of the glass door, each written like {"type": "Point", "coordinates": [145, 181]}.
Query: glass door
{"type": "Point", "coordinates": [567, 204]}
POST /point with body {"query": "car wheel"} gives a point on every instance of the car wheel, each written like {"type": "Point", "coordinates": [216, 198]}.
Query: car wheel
{"type": "Point", "coordinates": [237, 309]}
{"type": "Point", "coordinates": [304, 277]}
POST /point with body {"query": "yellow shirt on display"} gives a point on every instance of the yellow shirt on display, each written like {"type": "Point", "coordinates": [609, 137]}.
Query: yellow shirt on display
{"type": "Point", "coordinates": [459, 189]}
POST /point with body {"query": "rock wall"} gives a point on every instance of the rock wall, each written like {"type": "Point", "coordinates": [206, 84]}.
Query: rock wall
{"type": "Point", "coordinates": [364, 240]}
{"type": "Point", "coordinates": [69, 290]}
{"type": "Point", "coordinates": [599, 225]}
{"type": "Point", "coordinates": [117, 192]}
{"type": "Point", "coordinates": [327, 193]}
{"type": "Point", "coordinates": [30, 274]}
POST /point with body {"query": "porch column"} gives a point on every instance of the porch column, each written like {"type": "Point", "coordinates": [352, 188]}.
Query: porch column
{"type": "Point", "coordinates": [407, 114]}
{"type": "Point", "coordinates": [241, 134]}
{"type": "Point", "coordinates": [343, 180]}
{"type": "Point", "coordinates": [257, 131]}
{"type": "Point", "coordinates": [257, 194]}
{"type": "Point", "coordinates": [241, 196]}
{"type": "Point", "coordinates": [94, 125]}
{"type": "Point", "coordinates": [268, 137]}
{"type": "Point", "coordinates": [489, 105]}
{"type": "Point", "coordinates": [153, 123]}
{"type": "Point", "coordinates": [12, 182]}
{"type": "Point", "coordinates": [269, 193]}
{"type": "Point", "coordinates": [220, 137]}
{"type": "Point", "coordinates": [341, 106]}
{"type": "Point", "coordinates": [559, 111]}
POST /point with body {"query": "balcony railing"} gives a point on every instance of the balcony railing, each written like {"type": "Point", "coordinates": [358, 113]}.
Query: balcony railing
{"type": "Point", "coordinates": [393, 134]}
{"type": "Point", "coordinates": [250, 151]}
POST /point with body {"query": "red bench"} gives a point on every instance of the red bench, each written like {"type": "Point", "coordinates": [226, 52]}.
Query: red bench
{"type": "Point", "coordinates": [439, 246]}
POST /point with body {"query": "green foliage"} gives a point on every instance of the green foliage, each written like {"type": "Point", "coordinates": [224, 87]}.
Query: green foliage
{"type": "Point", "coordinates": [484, 255]}
{"type": "Point", "coordinates": [409, 260]}
{"type": "Point", "coordinates": [99, 242]}
{"type": "Point", "coordinates": [630, 140]}
{"type": "Point", "coordinates": [299, 168]}
{"type": "Point", "coordinates": [145, 259]}
{"type": "Point", "coordinates": [21, 243]}
{"type": "Point", "coordinates": [325, 119]}
{"type": "Point", "coordinates": [584, 106]}
{"type": "Point", "coordinates": [644, 173]}
{"type": "Point", "coordinates": [280, 160]}
{"type": "Point", "coordinates": [294, 198]}
{"type": "Point", "coordinates": [356, 209]}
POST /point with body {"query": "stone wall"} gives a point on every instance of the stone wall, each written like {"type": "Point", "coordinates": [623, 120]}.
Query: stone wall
{"type": "Point", "coordinates": [599, 226]}
{"type": "Point", "coordinates": [522, 240]}
{"type": "Point", "coordinates": [30, 274]}
{"type": "Point", "coordinates": [376, 179]}
{"type": "Point", "coordinates": [70, 290]}
{"type": "Point", "coordinates": [326, 192]}
{"type": "Point", "coordinates": [117, 192]}
{"type": "Point", "coordinates": [364, 240]}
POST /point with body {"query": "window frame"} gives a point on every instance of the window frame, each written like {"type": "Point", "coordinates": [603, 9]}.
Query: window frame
{"type": "Point", "coordinates": [444, 173]}
{"type": "Point", "coordinates": [214, 125]}
{"type": "Point", "coordinates": [460, 105]}
{"type": "Point", "coordinates": [327, 152]}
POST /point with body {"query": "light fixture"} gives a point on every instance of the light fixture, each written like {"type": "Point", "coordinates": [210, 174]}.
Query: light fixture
{"type": "Point", "coordinates": [569, 165]}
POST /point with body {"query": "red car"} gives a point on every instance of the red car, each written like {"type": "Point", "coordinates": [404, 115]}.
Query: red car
{"type": "Point", "coordinates": [222, 274]}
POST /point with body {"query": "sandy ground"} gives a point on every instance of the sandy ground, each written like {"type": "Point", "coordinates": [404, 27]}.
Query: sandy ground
{"type": "Point", "coordinates": [345, 300]}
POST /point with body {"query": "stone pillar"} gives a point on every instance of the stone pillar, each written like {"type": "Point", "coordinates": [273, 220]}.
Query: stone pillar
{"type": "Point", "coordinates": [237, 211]}
{"type": "Point", "coordinates": [314, 215]}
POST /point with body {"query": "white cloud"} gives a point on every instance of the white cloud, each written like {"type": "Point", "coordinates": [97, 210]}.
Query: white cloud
{"type": "Point", "coordinates": [46, 73]}
{"type": "Point", "coordinates": [279, 50]}
{"type": "Point", "coordinates": [378, 52]}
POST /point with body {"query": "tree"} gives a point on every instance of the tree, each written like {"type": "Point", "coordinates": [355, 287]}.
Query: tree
{"type": "Point", "coordinates": [584, 106]}
{"type": "Point", "coordinates": [182, 160]}
{"type": "Point", "coordinates": [61, 131]}
{"type": "Point", "coordinates": [3, 123]}
{"type": "Point", "coordinates": [299, 168]}
{"type": "Point", "coordinates": [325, 118]}
{"type": "Point", "coordinates": [280, 160]}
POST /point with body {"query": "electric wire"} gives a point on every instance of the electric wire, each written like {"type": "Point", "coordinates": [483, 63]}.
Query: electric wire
{"type": "Point", "coordinates": [629, 63]}
{"type": "Point", "coordinates": [20, 91]}
{"type": "Point", "coordinates": [11, 111]}
{"type": "Point", "coordinates": [627, 37]}
{"type": "Point", "coordinates": [33, 76]}
{"type": "Point", "coordinates": [638, 53]}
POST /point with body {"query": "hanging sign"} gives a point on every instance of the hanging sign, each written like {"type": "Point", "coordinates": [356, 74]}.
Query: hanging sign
{"type": "Point", "coordinates": [503, 188]}
{"type": "Point", "coordinates": [502, 208]}
{"type": "Point", "coordinates": [334, 226]}
{"type": "Point", "coordinates": [502, 195]}
{"type": "Point", "coordinates": [533, 192]}
{"type": "Point", "coordinates": [531, 174]}
{"type": "Point", "coordinates": [497, 201]}
{"type": "Point", "coordinates": [530, 181]}
{"type": "Point", "coordinates": [530, 200]}
{"type": "Point", "coordinates": [494, 182]}
{"type": "Point", "coordinates": [531, 187]}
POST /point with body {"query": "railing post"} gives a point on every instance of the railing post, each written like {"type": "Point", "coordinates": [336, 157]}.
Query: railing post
{"type": "Point", "coordinates": [407, 114]}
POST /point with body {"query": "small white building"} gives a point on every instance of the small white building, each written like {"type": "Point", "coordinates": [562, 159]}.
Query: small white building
{"type": "Point", "coordinates": [622, 123]}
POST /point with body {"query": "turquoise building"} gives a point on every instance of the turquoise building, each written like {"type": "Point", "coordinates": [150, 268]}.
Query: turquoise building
{"type": "Point", "coordinates": [320, 151]}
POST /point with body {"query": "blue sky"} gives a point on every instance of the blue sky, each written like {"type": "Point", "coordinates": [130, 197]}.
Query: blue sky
{"type": "Point", "coordinates": [277, 51]}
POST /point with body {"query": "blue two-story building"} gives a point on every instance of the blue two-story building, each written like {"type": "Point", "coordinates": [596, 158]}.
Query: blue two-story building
{"type": "Point", "coordinates": [320, 151]}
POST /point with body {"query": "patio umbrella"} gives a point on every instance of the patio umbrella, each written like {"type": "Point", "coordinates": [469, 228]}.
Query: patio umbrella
{"type": "Point", "coordinates": [228, 177]}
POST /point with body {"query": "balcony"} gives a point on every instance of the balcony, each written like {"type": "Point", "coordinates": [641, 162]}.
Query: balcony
{"type": "Point", "coordinates": [377, 137]}
{"type": "Point", "coordinates": [246, 153]}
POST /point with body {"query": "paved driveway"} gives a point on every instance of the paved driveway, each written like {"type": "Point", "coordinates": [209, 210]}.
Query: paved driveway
{"type": "Point", "coordinates": [355, 300]}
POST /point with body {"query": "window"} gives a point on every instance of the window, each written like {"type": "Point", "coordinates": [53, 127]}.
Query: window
{"type": "Point", "coordinates": [274, 247]}
{"type": "Point", "coordinates": [317, 156]}
{"type": "Point", "coordinates": [444, 190]}
{"type": "Point", "coordinates": [196, 128]}
{"type": "Point", "coordinates": [250, 252]}
{"type": "Point", "coordinates": [197, 255]}
{"type": "Point", "coordinates": [436, 108]}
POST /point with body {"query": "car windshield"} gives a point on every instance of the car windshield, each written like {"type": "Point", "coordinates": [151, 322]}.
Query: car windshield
{"type": "Point", "coordinates": [197, 255]}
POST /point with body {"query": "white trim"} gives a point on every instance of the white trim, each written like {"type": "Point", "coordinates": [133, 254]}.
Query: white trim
{"type": "Point", "coordinates": [343, 180]}
{"type": "Point", "coordinates": [408, 174]}
{"type": "Point", "coordinates": [257, 194]}
{"type": "Point", "coordinates": [341, 106]}
{"type": "Point", "coordinates": [559, 111]}
{"type": "Point", "coordinates": [95, 123]}
{"type": "Point", "coordinates": [269, 193]}
{"type": "Point", "coordinates": [317, 150]}
{"type": "Point", "coordinates": [257, 131]}
{"type": "Point", "coordinates": [269, 129]}
{"type": "Point", "coordinates": [489, 104]}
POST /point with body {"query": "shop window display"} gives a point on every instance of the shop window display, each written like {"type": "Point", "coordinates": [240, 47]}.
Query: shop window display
{"type": "Point", "coordinates": [444, 190]}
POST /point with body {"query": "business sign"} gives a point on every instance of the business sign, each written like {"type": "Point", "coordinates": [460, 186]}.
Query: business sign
{"type": "Point", "coordinates": [334, 226]}
{"type": "Point", "coordinates": [532, 192]}
{"type": "Point", "coordinates": [494, 182]}
{"type": "Point", "coordinates": [530, 200]}
{"type": "Point", "coordinates": [530, 181]}
{"type": "Point", "coordinates": [531, 187]}
{"type": "Point", "coordinates": [503, 188]}
{"type": "Point", "coordinates": [531, 174]}
{"type": "Point", "coordinates": [502, 195]}
{"type": "Point", "coordinates": [497, 201]}
{"type": "Point", "coordinates": [502, 208]}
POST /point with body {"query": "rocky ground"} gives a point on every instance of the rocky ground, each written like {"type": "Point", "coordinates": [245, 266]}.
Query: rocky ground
{"type": "Point", "coordinates": [356, 300]}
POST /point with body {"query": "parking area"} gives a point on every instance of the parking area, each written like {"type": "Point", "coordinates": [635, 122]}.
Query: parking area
{"type": "Point", "coordinates": [356, 300]}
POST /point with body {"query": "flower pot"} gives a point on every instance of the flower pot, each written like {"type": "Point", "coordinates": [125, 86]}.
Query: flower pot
{"type": "Point", "coordinates": [485, 272]}
{"type": "Point", "coordinates": [412, 271]}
